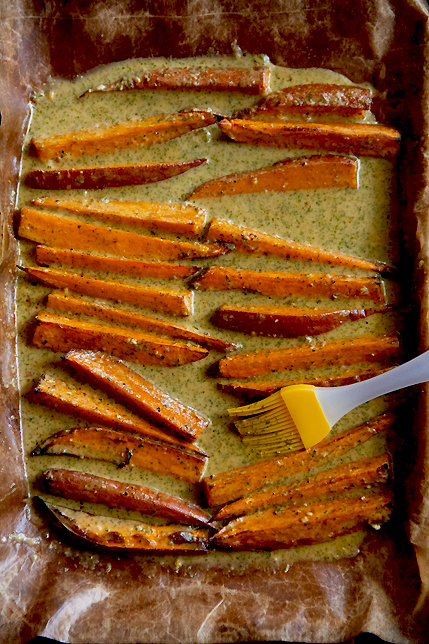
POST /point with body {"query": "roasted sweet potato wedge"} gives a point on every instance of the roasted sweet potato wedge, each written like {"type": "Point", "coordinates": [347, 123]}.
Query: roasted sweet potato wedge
{"type": "Point", "coordinates": [360, 139]}
{"type": "Point", "coordinates": [303, 173]}
{"type": "Point", "coordinates": [315, 98]}
{"type": "Point", "coordinates": [67, 303]}
{"type": "Point", "coordinates": [89, 488]}
{"type": "Point", "coordinates": [163, 300]}
{"type": "Point", "coordinates": [286, 322]}
{"type": "Point", "coordinates": [362, 474]}
{"type": "Point", "coordinates": [256, 242]}
{"type": "Point", "coordinates": [213, 79]}
{"type": "Point", "coordinates": [66, 232]}
{"type": "Point", "coordinates": [233, 484]}
{"type": "Point", "coordinates": [182, 219]}
{"type": "Point", "coordinates": [279, 284]}
{"type": "Point", "coordinates": [126, 534]}
{"type": "Point", "coordinates": [84, 402]}
{"type": "Point", "coordinates": [129, 134]}
{"type": "Point", "coordinates": [371, 348]}
{"type": "Point", "coordinates": [46, 256]}
{"type": "Point", "coordinates": [108, 176]}
{"type": "Point", "coordinates": [133, 390]}
{"type": "Point", "coordinates": [252, 391]}
{"type": "Point", "coordinates": [305, 523]}
{"type": "Point", "coordinates": [60, 333]}
{"type": "Point", "coordinates": [126, 450]}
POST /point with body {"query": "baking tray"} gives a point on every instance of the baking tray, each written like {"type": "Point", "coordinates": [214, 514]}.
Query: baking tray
{"type": "Point", "coordinates": [73, 595]}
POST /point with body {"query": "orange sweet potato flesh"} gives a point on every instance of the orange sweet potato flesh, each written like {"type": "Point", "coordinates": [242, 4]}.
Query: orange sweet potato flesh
{"type": "Point", "coordinates": [163, 300]}
{"type": "Point", "coordinates": [303, 173]}
{"type": "Point", "coordinates": [213, 79]}
{"type": "Point", "coordinates": [67, 303]}
{"type": "Point", "coordinates": [59, 333]}
{"type": "Point", "coordinates": [182, 219]}
{"type": "Point", "coordinates": [89, 488]}
{"type": "Point", "coordinates": [129, 134]}
{"type": "Point", "coordinates": [360, 139]}
{"type": "Point", "coordinates": [364, 473]}
{"type": "Point", "coordinates": [85, 402]}
{"type": "Point", "coordinates": [304, 524]}
{"type": "Point", "coordinates": [45, 256]}
{"type": "Point", "coordinates": [252, 391]}
{"type": "Point", "coordinates": [108, 176]}
{"type": "Point", "coordinates": [315, 98]}
{"type": "Point", "coordinates": [128, 535]}
{"type": "Point", "coordinates": [133, 390]}
{"type": "Point", "coordinates": [279, 284]}
{"type": "Point", "coordinates": [285, 322]}
{"type": "Point", "coordinates": [126, 450]}
{"type": "Point", "coordinates": [66, 232]}
{"type": "Point", "coordinates": [371, 348]}
{"type": "Point", "coordinates": [256, 242]}
{"type": "Point", "coordinates": [233, 484]}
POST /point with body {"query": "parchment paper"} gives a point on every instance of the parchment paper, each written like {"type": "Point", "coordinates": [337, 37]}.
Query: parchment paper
{"type": "Point", "coordinates": [68, 593]}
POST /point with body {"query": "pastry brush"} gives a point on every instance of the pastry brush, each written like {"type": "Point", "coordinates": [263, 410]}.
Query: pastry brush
{"type": "Point", "coordinates": [300, 416]}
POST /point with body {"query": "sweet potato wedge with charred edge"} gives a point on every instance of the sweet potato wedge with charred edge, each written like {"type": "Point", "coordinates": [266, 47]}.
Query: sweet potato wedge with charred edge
{"type": "Point", "coordinates": [183, 219]}
{"type": "Point", "coordinates": [108, 176]}
{"type": "Point", "coordinates": [132, 389]}
{"type": "Point", "coordinates": [303, 173]}
{"type": "Point", "coordinates": [305, 523]}
{"type": "Point", "coordinates": [286, 322]}
{"type": "Point", "coordinates": [360, 139]}
{"type": "Point", "coordinates": [45, 256]}
{"type": "Point", "coordinates": [370, 348]}
{"type": "Point", "coordinates": [126, 450]}
{"type": "Point", "coordinates": [163, 300]}
{"type": "Point", "coordinates": [89, 488]}
{"type": "Point", "coordinates": [252, 391]}
{"type": "Point", "coordinates": [279, 284]}
{"type": "Point", "coordinates": [67, 303]}
{"type": "Point", "coordinates": [82, 401]}
{"type": "Point", "coordinates": [63, 334]}
{"type": "Point", "coordinates": [256, 242]}
{"type": "Point", "coordinates": [126, 534]}
{"type": "Point", "coordinates": [128, 134]}
{"type": "Point", "coordinates": [232, 79]}
{"type": "Point", "coordinates": [315, 98]}
{"type": "Point", "coordinates": [364, 473]}
{"type": "Point", "coordinates": [233, 484]}
{"type": "Point", "coordinates": [66, 232]}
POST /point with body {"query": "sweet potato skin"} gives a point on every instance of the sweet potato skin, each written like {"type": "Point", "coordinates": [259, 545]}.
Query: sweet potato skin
{"type": "Point", "coordinates": [303, 173]}
{"type": "Point", "coordinates": [63, 334]}
{"type": "Point", "coordinates": [279, 284]}
{"type": "Point", "coordinates": [125, 534]}
{"type": "Point", "coordinates": [340, 352]}
{"type": "Point", "coordinates": [89, 488]}
{"type": "Point", "coordinates": [126, 450]}
{"type": "Point", "coordinates": [60, 301]}
{"type": "Point", "coordinates": [284, 322]}
{"type": "Point", "coordinates": [234, 79]}
{"type": "Point", "coordinates": [163, 300]}
{"type": "Point", "coordinates": [109, 176]}
{"type": "Point", "coordinates": [46, 256]}
{"type": "Point", "coordinates": [65, 232]}
{"type": "Point", "coordinates": [129, 134]}
{"type": "Point", "coordinates": [360, 139]}
{"type": "Point", "coordinates": [304, 524]}
{"type": "Point", "coordinates": [233, 484]}
{"type": "Point", "coordinates": [361, 474]}
{"type": "Point", "coordinates": [183, 219]}
{"type": "Point", "coordinates": [122, 382]}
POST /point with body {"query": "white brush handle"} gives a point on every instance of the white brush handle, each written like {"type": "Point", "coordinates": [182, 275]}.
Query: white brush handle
{"type": "Point", "coordinates": [338, 401]}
